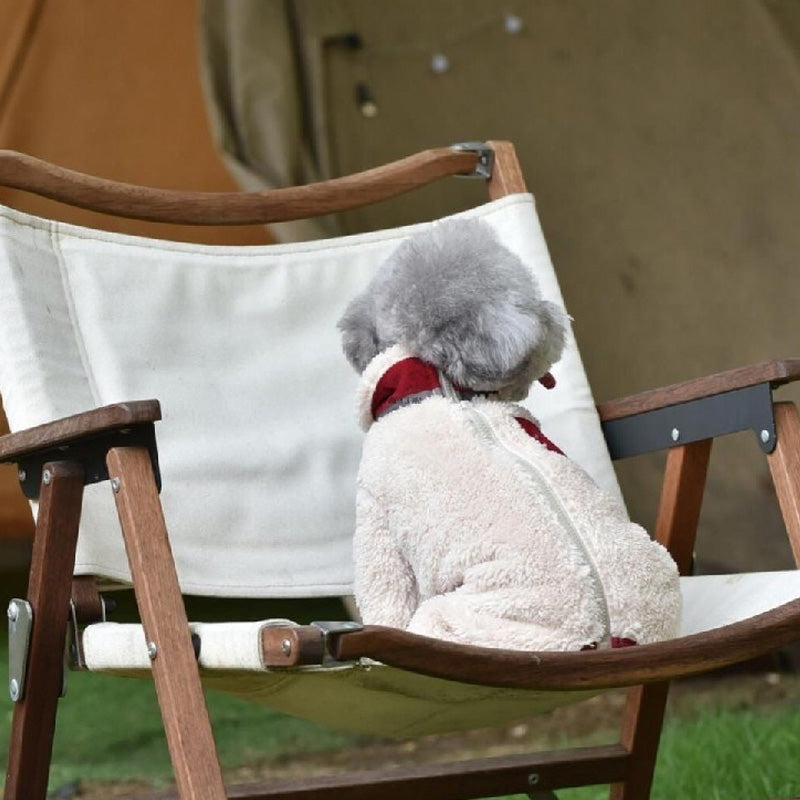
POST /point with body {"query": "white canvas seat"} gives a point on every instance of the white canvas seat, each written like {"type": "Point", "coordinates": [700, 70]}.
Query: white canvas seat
{"type": "Point", "coordinates": [257, 453]}
{"type": "Point", "coordinates": [368, 697]}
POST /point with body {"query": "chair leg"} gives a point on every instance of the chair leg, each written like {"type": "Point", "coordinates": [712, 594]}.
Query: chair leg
{"type": "Point", "coordinates": [155, 581]}
{"type": "Point", "coordinates": [676, 528]}
{"type": "Point", "coordinates": [52, 562]}
{"type": "Point", "coordinates": [784, 464]}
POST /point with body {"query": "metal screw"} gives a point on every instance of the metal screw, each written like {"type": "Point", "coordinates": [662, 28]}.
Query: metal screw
{"type": "Point", "coordinates": [676, 434]}
{"type": "Point", "coordinates": [152, 651]}
{"type": "Point", "coordinates": [13, 689]}
{"type": "Point", "coordinates": [22, 475]}
{"type": "Point", "coordinates": [765, 436]}
{"type": "Point", "coordinates": [13, 612]}
{"type": "Point", "coordinates": [286, 647]}
{"type": "Point", "coordinates": [533, 778]}
{"type": "Point", "coordinates": [47, 477]}
{"type": "Point", "coordinates": [115, 485]}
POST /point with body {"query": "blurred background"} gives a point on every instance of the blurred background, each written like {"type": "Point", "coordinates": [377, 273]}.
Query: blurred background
{"type": "Point", "coordinates": [659, 139]}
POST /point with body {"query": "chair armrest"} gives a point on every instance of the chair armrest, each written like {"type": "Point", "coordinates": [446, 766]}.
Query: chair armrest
{"type": "Point", "coordinates": [14, 446]}
{"type": "Point", "coordinates": [561, 671]}
{"type": "Point", "coordinates": [774, 373]}
{"type": "Point", "coordinates": [84, 438]}
{"type": "Point", "coordinates": [738, 399]}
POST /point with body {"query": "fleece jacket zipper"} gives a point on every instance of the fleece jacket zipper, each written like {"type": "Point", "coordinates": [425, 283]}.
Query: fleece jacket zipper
{"type": "Point", "coordinates": [483, 428]}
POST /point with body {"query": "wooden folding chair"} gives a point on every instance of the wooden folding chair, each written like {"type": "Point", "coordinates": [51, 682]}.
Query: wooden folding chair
{"type": "Point", "coordinates": [63, 322]}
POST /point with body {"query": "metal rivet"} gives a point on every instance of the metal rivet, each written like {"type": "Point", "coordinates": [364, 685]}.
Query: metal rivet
{"type": "Point", "coordinates": [13, 612]}
{"type": "Point", "coordinates": [676, 434]}
{"type": "Point", "coordinates": [440, 63]}
{"type": "Point", "coordinates": [115, 484]}
{"type": "Point", "coordinates": [22, 475]}
{"type": "Point", "coordinates": [47, 477]}
{"type": "Point", "coordinates": [513, 24]}
{"type": "Point", "coordinates": [286, 647]}
{"type": "Point", "coordinates": [765, 436]}
{"type": "Point", "coordinates": [13, 689]}
{"type": "Point", "coordinates": [152, 650]}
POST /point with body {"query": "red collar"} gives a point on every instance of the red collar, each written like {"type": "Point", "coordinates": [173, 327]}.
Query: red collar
{"type": "Point", "coordinates": [412, 380]}
{"type": "Point", "coordinates": [408, 381]}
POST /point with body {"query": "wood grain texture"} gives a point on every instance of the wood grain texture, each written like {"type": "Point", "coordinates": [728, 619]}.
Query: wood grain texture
{"type": "Point", "coordinates": [642, 722]}
{"type": "Point", "coordinates": [676, 528]}
{"type": "Point", "coordinates": [784, 465]}
{"type": "Point", "coordinates": [21, 171]}
{"type": "Point", "coordinates": [474, 778]}
{"type": "Point", "coordinates": [597, 669]}
{"type": "Point", "coordinates": [507, 177]}
{"type": "Point", "coordinates": [158, 596]}
{"type": "Point", "coordinates": [682, 493]}
{"type": "Point", "coordinates": [52, 561]}
{"type": "Point", "coordinates": [86, 600]}
{"type": "Point", "coordinates": [291, 647]}
{"type": "Point", "coordinates": [773, 372]}
{"type": "Point", "coordinates": [98, 420]}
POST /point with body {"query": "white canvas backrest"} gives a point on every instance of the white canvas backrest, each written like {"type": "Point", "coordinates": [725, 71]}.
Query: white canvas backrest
{"type": "Point", "coordinates": [259, 444]}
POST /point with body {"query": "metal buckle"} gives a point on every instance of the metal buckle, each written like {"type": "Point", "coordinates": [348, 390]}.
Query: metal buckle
{"type": "Point", "coordinates": [332, 628]}
{"type": "Point", "coordinates": [485, 164]}
{"type": "Point", "coordinates": [20, 622]}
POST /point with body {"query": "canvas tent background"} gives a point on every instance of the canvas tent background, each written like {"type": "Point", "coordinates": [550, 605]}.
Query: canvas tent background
{"type": "Point", "coordinates": [110, 89]}
{"type": "Point", "coordinates": [660, 140]}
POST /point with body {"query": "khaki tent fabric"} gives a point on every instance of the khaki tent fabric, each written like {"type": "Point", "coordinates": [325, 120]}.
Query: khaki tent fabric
{"type": "Point", "coordinates": [111, 89]}
{"type": "Point", "coordinates": [660, 139]}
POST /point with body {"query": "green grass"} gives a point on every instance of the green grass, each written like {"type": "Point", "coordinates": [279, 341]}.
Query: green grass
{"type": "Point", "coordinates": [109, 729]}
{"type": "Point", "coordinates": [723, 754]}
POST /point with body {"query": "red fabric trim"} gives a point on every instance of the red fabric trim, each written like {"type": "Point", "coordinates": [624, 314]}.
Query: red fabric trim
{"type": "Point", "coordinates": [533, 430]}
{"type": "Point", "coordinates": [412, 375]}
{"type": "Point", "coordinates": [548, 381]}
{"type": "Point", "coordinates": [406, 377]}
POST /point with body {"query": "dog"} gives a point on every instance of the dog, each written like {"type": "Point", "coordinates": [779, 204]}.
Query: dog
{"type": "Point", "coordinates": [471, 525]}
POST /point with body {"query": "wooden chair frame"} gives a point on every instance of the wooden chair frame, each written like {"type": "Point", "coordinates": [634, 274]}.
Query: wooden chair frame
{"type": "Point", "coordinates": [64, 455]}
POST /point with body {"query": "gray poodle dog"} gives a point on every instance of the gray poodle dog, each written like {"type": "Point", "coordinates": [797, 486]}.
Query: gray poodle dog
{"type": "Point", "coordinates": [471, 525]}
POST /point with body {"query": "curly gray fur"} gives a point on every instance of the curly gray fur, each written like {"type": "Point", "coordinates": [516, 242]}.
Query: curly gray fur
{"type": "Point", "coordinates": [457, 298]}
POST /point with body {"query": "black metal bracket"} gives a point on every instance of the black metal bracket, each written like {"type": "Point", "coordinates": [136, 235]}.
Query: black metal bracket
{"type": "Point", "coordinates": [744, 409]}
{"type": "Point", "coordinates": [90, 452]}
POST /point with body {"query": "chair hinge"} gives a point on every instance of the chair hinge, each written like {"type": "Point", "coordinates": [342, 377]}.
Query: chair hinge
{"type": "Point", "coordinates": [744, 409]}
{"type": "Point", "coordinates": [90, 453]}
{"type": "Point", "coordinates": [333, 628]}
{"type": "Point", "coordinates": [75, 642]}
{"type": "Point", "coordinates": [20, 623]}
{"type": "Point", "coordinates": [484, 165]}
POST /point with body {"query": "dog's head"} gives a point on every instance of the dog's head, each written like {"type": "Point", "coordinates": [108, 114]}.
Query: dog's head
{"type": "Point", "coordinates": [458, 299]}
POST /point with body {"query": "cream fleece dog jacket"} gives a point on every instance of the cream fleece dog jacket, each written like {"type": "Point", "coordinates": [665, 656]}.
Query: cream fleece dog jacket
{"type": "Point", "coordinates": [470, 529]}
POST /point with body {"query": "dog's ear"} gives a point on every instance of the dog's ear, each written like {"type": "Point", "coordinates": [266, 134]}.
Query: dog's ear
{"type": "Point", "coordinates": [552, 336]}
{"type": "Point", "coordinates": [359, 332]}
